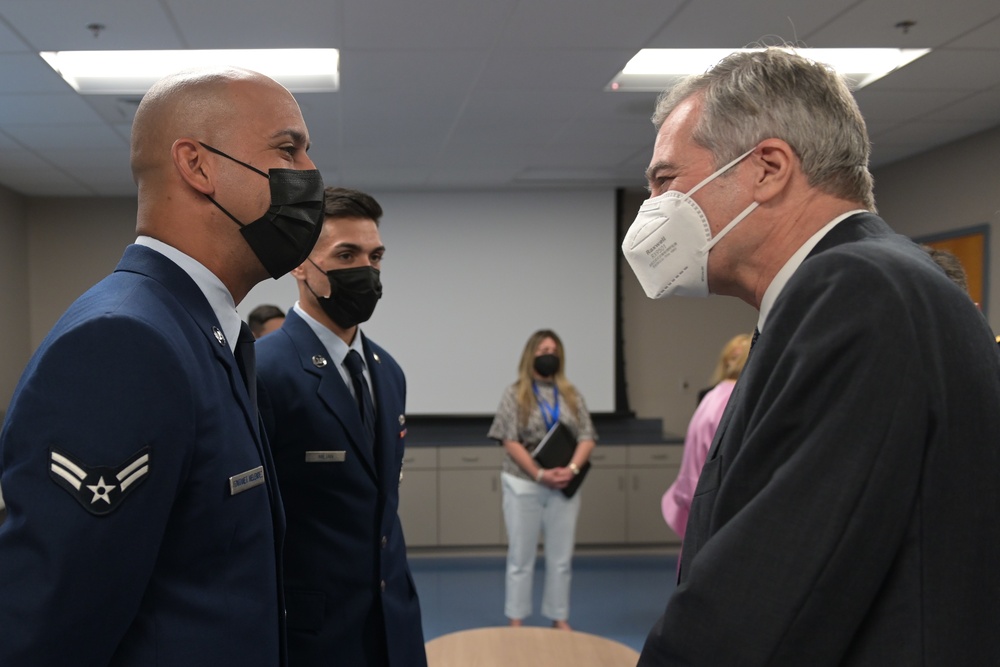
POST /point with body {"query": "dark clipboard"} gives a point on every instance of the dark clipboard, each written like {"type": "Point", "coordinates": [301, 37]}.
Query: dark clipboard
{"type": "Point", "coordinates": [556, 451]}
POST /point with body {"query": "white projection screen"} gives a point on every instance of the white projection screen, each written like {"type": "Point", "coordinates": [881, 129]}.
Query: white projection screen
{"type": "Point", "coordinates": [468, 276]}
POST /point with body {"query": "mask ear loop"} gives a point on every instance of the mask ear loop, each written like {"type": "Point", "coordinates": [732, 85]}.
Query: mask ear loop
{"type": "Point", "coordinates": [725, 230]}
{"type": "Point", "coordinates": [309, 287]}
{"type": "Point", "coordinates": [230, 157]}
{"type": "Point", "coordinates": [747, 211]}
{"type": "Point", "coordinates": [726, 167]}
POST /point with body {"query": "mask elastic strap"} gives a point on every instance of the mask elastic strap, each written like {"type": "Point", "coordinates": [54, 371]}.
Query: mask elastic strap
{"type": "Point", "coordinates": [309, 287]}
{"type": "Point", "coordinates": [231, 216]}
{"type": "Point", "coordinates": [230, 157]}
{"type": "Point", "coordinates": [725, 230]}
{"type": "Point", "coordinates": [726, 167]}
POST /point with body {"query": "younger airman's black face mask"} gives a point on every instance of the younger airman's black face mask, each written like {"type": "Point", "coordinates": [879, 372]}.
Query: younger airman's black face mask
{"type": "Point", "coordinates": [284, 236]}
{"type": "Point", "coordinates": [354, 292]}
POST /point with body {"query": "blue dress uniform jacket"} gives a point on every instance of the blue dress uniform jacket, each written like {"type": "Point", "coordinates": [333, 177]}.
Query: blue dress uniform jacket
{"type": "Point", "coordinates": [847, 513]}
{"type": "Point", "coordinates": [349, 592]}
{"type": "Point", "coordinates": [126, 543]}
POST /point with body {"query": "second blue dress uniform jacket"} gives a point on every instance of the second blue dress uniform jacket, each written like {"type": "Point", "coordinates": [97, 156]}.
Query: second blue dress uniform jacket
{"type": "Point", "coordinates": [126, 542]}
{"type": "Point", "coordinates": [349, 592]}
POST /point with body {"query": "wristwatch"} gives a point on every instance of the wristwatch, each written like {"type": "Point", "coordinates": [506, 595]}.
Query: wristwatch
{"type": "Point", "coordinates": [575, 468]}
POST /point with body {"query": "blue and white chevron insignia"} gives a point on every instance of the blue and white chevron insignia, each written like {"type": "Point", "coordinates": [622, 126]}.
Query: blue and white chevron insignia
{"type": "Point", "coordinates": [100, 489]}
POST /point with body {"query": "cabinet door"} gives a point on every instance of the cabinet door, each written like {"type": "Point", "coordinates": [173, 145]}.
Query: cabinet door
{"type": "Point", "coordinates": [418, 511]}
{"type": "Point", "coordinates": [602, 506]}
{"type": "Point", "coordinates": [645, 516]}
{"type": "Point", "coordinates": [469, 507]}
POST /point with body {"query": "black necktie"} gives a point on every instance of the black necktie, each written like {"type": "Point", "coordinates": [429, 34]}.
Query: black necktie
{"type": "Point", "coordinates": [361, 393]}
{"type": "Point", "coordinates": [246, 361]}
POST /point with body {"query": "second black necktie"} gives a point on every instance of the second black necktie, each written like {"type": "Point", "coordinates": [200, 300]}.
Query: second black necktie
{"type": "Point", "coordinates": [367, 408]}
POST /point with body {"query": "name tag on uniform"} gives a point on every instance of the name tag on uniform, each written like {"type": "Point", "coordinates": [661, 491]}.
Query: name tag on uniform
{"type": "Point", "coordinates": [326, 457]}
{"type": "Point", "coordinates": [246, 480]}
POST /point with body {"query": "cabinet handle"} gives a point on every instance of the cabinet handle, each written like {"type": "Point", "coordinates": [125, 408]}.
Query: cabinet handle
{"type": "Point", "coordinates": [635, 482]}
{"type": "Point", "coordinates": [494, 485]}
{"type": "Point", "coordinates": [621, 482]}
{"type": "Point", "coordinates": [660, 457]}
{"type": "Point", "coordinates": [470, 459]}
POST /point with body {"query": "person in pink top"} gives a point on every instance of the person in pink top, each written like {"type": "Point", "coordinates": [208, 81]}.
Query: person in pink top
{"type": "Point", "coordinates": [677, 500]}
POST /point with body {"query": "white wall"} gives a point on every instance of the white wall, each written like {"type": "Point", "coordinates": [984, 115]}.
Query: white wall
{"type": "Point", "coordinates": [14, 343]}
{"type": "Point", "coordinates": [468, 276]}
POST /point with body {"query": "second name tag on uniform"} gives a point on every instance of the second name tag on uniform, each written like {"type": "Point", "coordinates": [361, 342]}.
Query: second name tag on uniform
{"type": "Point", "coordinates": [332, 456]}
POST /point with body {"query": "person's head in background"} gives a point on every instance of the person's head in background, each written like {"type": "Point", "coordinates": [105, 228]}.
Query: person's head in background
{"type": "Point", "coordinates": [264, 319]}
{"type": "Point", "coordinates": [543, 359]}
{"type": "Point", "coordinates": [730, 363]}
{"type": "Point", "coordinates": [340, 282]}
{"type": "Point", "coordinates": [732, 359]}
{"type": "Point", "coordinates": [951, 266]}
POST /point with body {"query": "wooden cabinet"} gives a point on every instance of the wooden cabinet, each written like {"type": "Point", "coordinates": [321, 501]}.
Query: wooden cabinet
{"type": "Point", "coordinates": [652, 468]}
{"type": "Point", "coordinates": [418, 496]}
{"type": "Point", "coordinates": [622, 494]}
{"type": "Point", "coordinates": [604, 497]}
{"type": "Point", "coordinates": [469, 497]}
{"type": "Point", "coordinates": [451, 496]}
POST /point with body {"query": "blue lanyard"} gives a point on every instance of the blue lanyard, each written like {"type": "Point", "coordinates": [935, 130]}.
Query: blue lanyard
{"type": "Point", "coordinates": [550, 411]}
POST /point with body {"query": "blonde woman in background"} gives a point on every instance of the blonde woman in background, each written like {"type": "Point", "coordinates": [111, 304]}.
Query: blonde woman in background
{"type": "Point", "coordinates": [532, 496]}
{"type": "Point", "coordinates": [677, 500]}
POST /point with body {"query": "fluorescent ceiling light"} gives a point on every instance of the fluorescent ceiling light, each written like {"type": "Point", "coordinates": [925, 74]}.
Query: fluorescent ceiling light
{"type": "Point", "coordinates": [659, 69]}
{"type": "Point", "coordinates": [133, 72]}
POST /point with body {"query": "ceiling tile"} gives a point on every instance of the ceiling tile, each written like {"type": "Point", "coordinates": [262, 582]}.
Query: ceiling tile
{"type": "Point", "coordinates": [948, 69]}
{"type": "Point", "coordinates": [986, 36]}
{"type": "Point", "coordinates": [56, 25]}
{"type": "Point", "coordinates": [553, 69]}
{"type": "Point", "coordinates": [429, 24]}
{"type": "Point", "coordinates": [28, 73]}
{"type": "Point", "coordinates": [258, 24]}
{"type": "Point", "coordinates": [903, 105]}
{"type": "Point", "coordinates": [699, 24]}
{"type": "Point", "coordinates": [873, 23]}
{"type": "Point", "coordinates": [596, 24]}
{"type": "Point", "coordinates": [452, 94]}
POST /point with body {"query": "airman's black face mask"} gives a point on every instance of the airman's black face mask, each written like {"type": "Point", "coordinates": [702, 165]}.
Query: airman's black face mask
{"type": "Point", "coordinates": [354, 292]}
{"type": "Point", "coordinates": [284, 236]}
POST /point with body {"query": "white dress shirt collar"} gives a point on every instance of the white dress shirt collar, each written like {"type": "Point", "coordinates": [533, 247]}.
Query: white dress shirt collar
{"type": "Point", "coordinates": [792, 265]}
{"type": "Point", "coordinates": [218, 296]}
{"type": "Point", "coordinates": [336, 348]}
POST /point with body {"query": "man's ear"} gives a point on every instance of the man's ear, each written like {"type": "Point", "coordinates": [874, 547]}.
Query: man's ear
{"type": "Point", "coordinates": [299, 272]}
{"type": "Point", "coordinates": [776, 162]}
{"type": "Point", "coordinates": [192, 163]}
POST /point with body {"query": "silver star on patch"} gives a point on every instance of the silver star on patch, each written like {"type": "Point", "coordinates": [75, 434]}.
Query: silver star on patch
{"type": "Point", "coordinates": [101, 491]}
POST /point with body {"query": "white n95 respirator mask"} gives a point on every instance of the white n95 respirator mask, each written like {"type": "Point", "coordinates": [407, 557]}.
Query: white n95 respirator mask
{"type": "Point", "coordinates": [667, 245]}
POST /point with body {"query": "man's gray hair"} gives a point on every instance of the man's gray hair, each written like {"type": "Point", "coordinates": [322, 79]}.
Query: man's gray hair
{"type": "Point", "coordinates": [757, 95]}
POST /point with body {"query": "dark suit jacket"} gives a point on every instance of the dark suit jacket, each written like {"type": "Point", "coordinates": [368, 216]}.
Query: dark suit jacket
{"type": "Point", "coordinates": [847, 514]}
{"type": "Point", "coordinates": [350, 596]}
{"type": "Point", "coordinates": [181, 571]}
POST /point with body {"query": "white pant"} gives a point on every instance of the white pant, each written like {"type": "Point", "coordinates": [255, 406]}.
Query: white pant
{"type": "Point", "coordinates": [527, 509]}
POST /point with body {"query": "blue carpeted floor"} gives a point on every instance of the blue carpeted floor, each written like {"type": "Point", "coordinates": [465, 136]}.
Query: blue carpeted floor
{"type": "Point", "coordinates": [618, 597]}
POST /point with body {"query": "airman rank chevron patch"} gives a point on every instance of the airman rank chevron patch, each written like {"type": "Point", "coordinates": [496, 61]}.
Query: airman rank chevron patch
{"type": "Point", "coordinates": [100, 489]}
